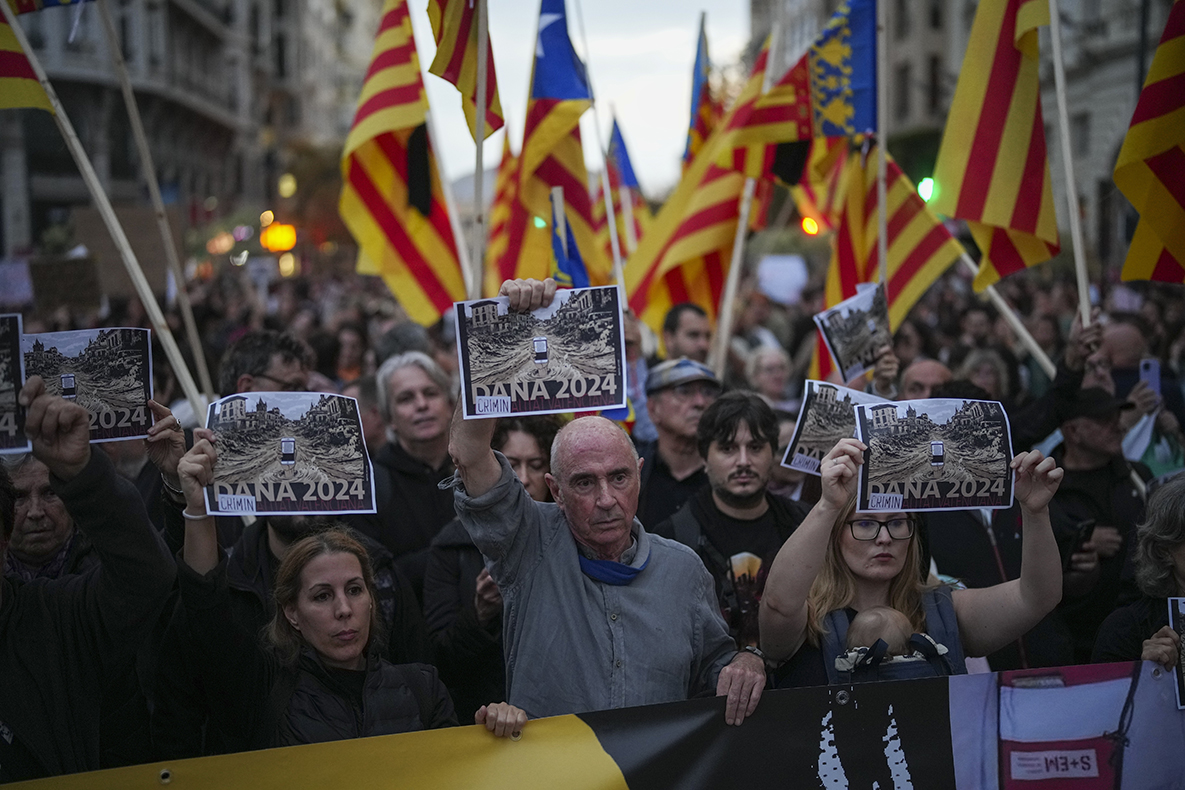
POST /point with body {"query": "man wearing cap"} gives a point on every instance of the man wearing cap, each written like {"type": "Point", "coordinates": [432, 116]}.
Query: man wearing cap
{"type": "Point", "coordinates": [677, 391]}
{"type": "Point", "coordinates": [1097, 486]}
{"type": "Point", "coordinates": [597, 612]}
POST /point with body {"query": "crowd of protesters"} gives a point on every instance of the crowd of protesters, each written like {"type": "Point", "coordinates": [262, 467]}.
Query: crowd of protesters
{"type": "Point", "coordinates": [536, 566]}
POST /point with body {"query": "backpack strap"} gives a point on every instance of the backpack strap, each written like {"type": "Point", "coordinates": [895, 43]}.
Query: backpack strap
{"type": "Point", "coordinates": [689, 533]}
{"type": "Point", "coordinates": [831, 643]}
{"type": "Point", "coordinates": [925, 646]}
{"type": "Point", "coordinates": [943, 627]}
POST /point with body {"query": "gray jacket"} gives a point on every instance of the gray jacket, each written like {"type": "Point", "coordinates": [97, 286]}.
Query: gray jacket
{"type": "Point", "coordinates": [574, 644]}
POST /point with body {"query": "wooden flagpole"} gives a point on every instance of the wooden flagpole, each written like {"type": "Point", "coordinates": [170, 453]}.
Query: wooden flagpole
{"type": "Point", "coordinates": [479, 202]}
{"type": "Point", "coordinates": [103, 204]}
{"type": "Point", "coordinates": [1063, 116]}
{"type": "Point", "coordinates": [158, 205]}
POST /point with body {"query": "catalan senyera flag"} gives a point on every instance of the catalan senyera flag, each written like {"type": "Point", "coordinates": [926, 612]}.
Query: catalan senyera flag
{"type": "Point", "coordinates": [685, 254]}
{"type": "Point", "coordinates": [552, 156]}
{"type": "Point", "coordinates": [705, 111]}
{"type": "Point", "coordinates": [621, 180]}
{"type": "Point", "coordinates": [498, 239]}
{"type": "Point", "coordinates": [454, 25]}
{"type": "Point", "coordinates": [18, 82]}
{"type": "Point", "coordinates": [818, 195]}
{"type": "Point", "coordinates": [1150, 169]}
{"type": "Point", "coordinates": [992, 168]}
{"type": "Point", "coordinates": [391, 198]}
{"type": "Point", "coordinates": [920, 248]}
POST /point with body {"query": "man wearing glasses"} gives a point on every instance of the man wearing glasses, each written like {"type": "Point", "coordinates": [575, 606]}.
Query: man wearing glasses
{"type": "Point", "coordinates": [265, 361]}
{"type": "Point", "coordinates": [678, 392]}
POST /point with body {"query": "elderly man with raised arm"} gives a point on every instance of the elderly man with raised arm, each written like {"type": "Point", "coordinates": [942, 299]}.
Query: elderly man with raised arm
{"type": "Point", "coordinates": [598, 613]}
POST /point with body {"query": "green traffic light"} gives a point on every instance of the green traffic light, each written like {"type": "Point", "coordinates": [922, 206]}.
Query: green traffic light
{"type": "Point", "coordinates": [926, 188]}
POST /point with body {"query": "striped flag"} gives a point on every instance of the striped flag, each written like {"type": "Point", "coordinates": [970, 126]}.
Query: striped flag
{"type": "Point", "coordinates": [1150, 169]}
{"type": "Point", "coordinates": [783, 115]}
{"type": "Point", "coordinates": [454, 25]}
{"type": "Point", "coordinates": [705, 112]}
{"type": "Point", "coordinates": [27, 6]}
{"type": "Point", "coordinates": [505, 199]}
{"type": "Point", "coordinates": [567, 268]}
{"type": "Point", "coordinates": [992, 168]}
{"type": "Point", "coordinates": [818, 195]}
{"type": "Point", "coordinates": [920, 248]}
{"type": "Point", "coordinates": [552, 156]}
{"type": "Point", "coordinates": [685, 253]}
{"type": "Point", "coordinates": [391, 198]}
{"type": "Point", "coordinates": [18, 83]}
{"type": "Point", "coordinates": [621, 177]}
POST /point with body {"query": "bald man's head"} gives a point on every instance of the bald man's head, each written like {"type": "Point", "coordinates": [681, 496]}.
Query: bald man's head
{"type": "Point", "coordinates": [920, 379]}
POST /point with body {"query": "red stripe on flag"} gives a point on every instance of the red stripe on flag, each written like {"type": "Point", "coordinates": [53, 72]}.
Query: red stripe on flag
{"type": "Point", "coordinates": [1169, 168]}
{"type": "Point", "coordinates": [677, 287]}
{"type": "Point", "coordinates": [714, 269]}
{"type": "Point", "coordinates": [1027, 209]}
{"type": "Point", "coordinates": [392, 97]}
{"type": "Point", "coordinates": [721, 212]}
{"type": "Point", "coordinates": [917, 258]}
{"type": "Point", "coordinates": [394, 18]}
{"type": "Point", "coordinates": [395, 56]}
{"type": "Point", "coordinates": [396, 153]}
{"type": "Point", "coordinates": [903, 216]}
{"type": "Point", "coordinates": [15, 64]}
{"type": "Point", "coordinates": [1004, 256]}
{"type": "Point", "coordinates": [452, 72]}
{"type": "Point", "coordinates": [1160, 98]}
{"type": "Point", "coordinates": [1167, 269]}
{"type": "Point", "coordinates": [393, 229]}
{"type": "Point", "coordinates": [985, 148]}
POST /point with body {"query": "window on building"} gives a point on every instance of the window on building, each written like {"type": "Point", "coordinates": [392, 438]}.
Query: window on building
{"type": "Point", "coordinates": [126, 32]}
{"type": "Point", "coordinates": [901, 86]}
{"type": "Point", "coordinates": [279, 9]}
{"type": "Point", "coordinates": [936, 14]}
{"type": "Point", "coordinates": [156, 34]}
{"type": "Point", "coordinates": [1080, 134]}
{"type": "Point", "coordinates": [934, 105]}
{"type": "Point", "coordinates": [281, 56]}
{"type": "Point", "coordinates": [901, 9]}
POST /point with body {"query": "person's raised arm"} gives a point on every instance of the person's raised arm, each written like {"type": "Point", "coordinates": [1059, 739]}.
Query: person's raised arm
{"type": "Point", "coordinates": [991, 617]}
{"type": "Point", "coordinates": [59, 430]}
{"type": "Point", "coordinates": [783, 613]}
{"type": "Point", "coordinates": [469, 440]}
{"type": "Point", "coordinates": [196, 471]}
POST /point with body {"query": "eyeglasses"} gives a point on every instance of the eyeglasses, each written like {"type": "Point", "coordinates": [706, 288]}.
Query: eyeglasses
{"type": "Point", "coordinates": [285, 386]}
{"type": "Point", "coordinates": [870, 528]}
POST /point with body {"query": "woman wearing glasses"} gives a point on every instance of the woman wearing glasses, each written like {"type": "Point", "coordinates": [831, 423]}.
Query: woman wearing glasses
{"type": "Point", "coordinates": [839, 563]}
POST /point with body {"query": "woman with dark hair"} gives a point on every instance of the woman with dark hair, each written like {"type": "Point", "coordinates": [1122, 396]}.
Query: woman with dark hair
{"type": "Point", "coordinates": [840, 562]}
{"type": "Point", "coordinates": [317, 676]}
{"type": "Point", "coordinates": [462, 604]}
{"type": "Point", "coordinates": [1141, 631]}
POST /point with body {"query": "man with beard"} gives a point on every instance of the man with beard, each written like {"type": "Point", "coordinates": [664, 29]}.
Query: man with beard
{"type": "Point", "coordinates": [734, 523]}
{"type": "Point", "coordinates": [181, 713]}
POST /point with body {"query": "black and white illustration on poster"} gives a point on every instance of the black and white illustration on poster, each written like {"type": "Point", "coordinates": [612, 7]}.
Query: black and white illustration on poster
{"type": "Point", "coordinates": [855, 329]}
{"type": "Point", "coordinates": [828, 414]}
{"type": "Point", "coordinates": [568, 356]}
{"type": "Point", "coordinates": [1177, 622]}
{"type": "Point", "coordinates": [106, 371]}
{"type": "Point", "coordinates": [289, 453]}
{"type": "Point", "coordinates": [12, 378]}
{"type": "Point", "coordinates": [939, 454]}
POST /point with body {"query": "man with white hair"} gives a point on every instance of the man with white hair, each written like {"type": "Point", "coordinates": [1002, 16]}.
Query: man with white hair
{"type": "Point", "coordinates": [417, 401]}
{"type": "Point", "coordinates": [598, 613]}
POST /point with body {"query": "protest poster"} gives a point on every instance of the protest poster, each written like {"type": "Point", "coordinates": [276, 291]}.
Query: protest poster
{"type": "Point", "coordinates": [568, 356]}
{"type": "Point", "coordinates": [828, 414]}
{"type": "Point", "coordinates": [289, 453]}
{"type": "Point", "coordinates": [106, 371]}
{"type": "Point", "coordinates": [855, 329]}
{"type": "Point", "coordinates": [1177, 622]}
{"type": "Point", "coordinates": [12, 378]}
{"type": "Point", "coordinates": [938, 454]}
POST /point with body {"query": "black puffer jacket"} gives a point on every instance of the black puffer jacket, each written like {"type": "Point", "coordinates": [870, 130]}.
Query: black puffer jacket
{"type": "Point", "coordinates": [257, 702]}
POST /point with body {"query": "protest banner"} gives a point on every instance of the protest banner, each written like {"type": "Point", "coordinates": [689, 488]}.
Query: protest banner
{"type": "Point", "coordinates": [106, 371]}
{"type": "Point", "coordinates": [828, 414]}
{"type": "Point", "coordinates": [938, 454]}
{"type": "Point", "coordinates": [1097, 726]}
{"type": "Point", "coordinates": [568, 356]}
{"type": "Point", "coordinates": [855, 329]}
{"type": "Point", "coordinates": [12, 378]}
{"type": "Point", "coordinates": [289, 453]}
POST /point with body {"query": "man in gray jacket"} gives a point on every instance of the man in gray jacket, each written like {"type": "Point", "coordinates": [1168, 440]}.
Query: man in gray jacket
{"type": "Point", "coordinates": [598, 613]}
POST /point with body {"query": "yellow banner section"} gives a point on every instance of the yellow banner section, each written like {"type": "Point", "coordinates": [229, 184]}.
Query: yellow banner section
{"type": "Point", "coordinates": [556, 752]}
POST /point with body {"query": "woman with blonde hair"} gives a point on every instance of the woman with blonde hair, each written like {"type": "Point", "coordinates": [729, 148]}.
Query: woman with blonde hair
{"type": "Point", "coordinates": [840, 562]}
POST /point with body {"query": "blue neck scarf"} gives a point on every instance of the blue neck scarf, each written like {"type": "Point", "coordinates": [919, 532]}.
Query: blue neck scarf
{"type": "Point", "coordinates": [616, 573]}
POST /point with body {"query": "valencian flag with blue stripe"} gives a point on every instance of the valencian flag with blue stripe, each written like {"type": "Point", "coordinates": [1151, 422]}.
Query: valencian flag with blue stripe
{"type": "Point", "coordinates": [567, 267]}
{"type": "Point", "coordinates": [552, 156]}
{"type": "Point", "coordinates": [392, 200]}
{"type": "Point", "coordinates": [705, 112]}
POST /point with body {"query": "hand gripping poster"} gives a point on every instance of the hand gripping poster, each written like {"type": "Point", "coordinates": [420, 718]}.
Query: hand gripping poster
{"type": "Point", "coordinates": [568, 356]}
{"type": "Point", "coordinates": [855, 329]}
{"type": "Point", "coordinates": [828, 414]}
{"type": "Point", "coordinates": [106, 371]}
{"type": "Point", "coordinates": [12, 378]}
{"type": "Point", "coordinates": [938, 454]}
{"type": "Point", "coordinates": [288, 453]}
